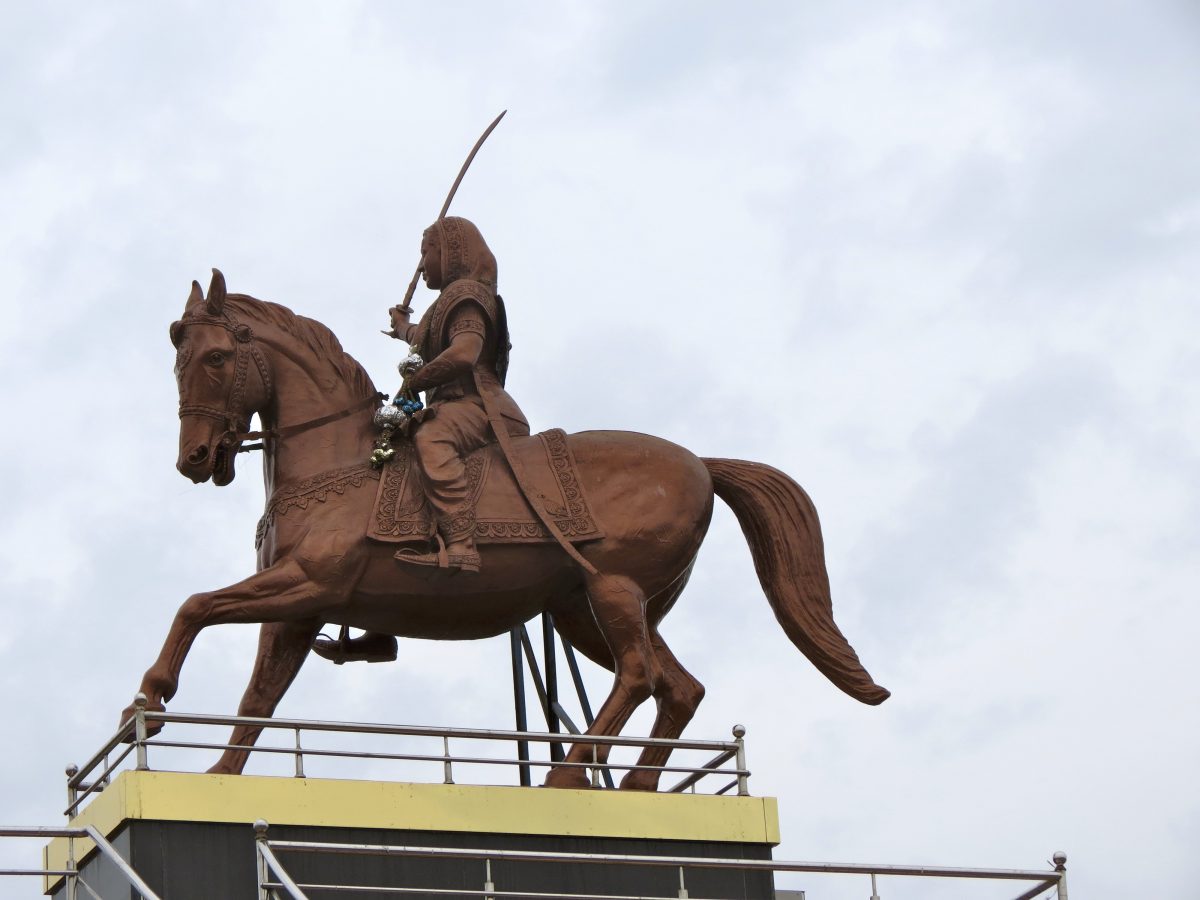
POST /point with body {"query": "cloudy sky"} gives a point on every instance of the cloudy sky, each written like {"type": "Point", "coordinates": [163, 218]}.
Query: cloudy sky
{"type": "Point", "coordinates": [937, 262]}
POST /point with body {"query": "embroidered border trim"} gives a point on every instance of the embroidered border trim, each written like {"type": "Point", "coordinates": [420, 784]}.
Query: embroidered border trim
{"type": "Point", "coordinates": [578, 519]}
{"type": "Point", "coordinates": [317, 488]}
{"type": "Point", "coordinates": [389, 520]}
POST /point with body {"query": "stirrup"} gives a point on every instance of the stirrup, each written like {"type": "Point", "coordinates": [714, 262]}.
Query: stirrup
{"type": "Point", "coordinates": [370, 647]}
{"type": "Point", "coordinates": [451, 563]}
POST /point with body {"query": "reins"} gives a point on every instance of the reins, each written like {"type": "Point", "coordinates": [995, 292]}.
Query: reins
{"type": "Point", "coordinates": [287, 431]}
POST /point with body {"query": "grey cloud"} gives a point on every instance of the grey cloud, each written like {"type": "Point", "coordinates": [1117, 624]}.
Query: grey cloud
{"type": "Point", "coordinates": [936, 264]}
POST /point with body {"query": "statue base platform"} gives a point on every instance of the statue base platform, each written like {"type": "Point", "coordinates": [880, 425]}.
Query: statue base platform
{"type": "Point", "coordinates": [191, 837]}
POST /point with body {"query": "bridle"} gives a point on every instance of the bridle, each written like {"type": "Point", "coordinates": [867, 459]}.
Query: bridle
{"type": "Point", "coordinates": [246, 351]}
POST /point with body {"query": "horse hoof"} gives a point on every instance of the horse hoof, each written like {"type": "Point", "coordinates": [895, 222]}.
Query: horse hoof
{"type": "Point", "coordinates": [640, 781]}
{"type": "Point", "coordinates": [575, 779]}
{"type": "Point", "coordinates": [152, 728]}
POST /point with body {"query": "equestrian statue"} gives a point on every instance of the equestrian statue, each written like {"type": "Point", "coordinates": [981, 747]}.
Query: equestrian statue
{"type": "Point", "coordinates": [444, 518]}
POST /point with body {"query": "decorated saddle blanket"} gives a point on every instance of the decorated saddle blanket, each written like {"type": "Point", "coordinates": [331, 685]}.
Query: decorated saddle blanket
{"type": "Point", "coordinates": [502, 514]}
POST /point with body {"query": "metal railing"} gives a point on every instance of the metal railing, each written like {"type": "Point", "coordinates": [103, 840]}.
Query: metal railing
{"type": "Point", "coordinates": [70, 873]}
{"type": "Point", "coordinates": [95, 774]}
{"type": "Point", "coordinates": [274, 882]}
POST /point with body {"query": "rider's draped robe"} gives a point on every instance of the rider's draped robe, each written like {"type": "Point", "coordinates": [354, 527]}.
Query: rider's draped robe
{"type": "Point", "coordinates": [460, 421]}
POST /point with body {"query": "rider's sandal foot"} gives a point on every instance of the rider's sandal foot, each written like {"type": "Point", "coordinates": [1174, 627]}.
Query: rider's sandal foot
{"type": "Point", "coordinates": [451, 563]}
{"type": "Point", "coordinates": [370, 647]}
{"type": "Point", "coordinates": [428, 561]}
{"type": "Point", "coordinates": [466, 563]}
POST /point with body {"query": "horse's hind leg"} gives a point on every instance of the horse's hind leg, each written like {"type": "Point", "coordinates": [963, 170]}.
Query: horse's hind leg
{"type": "Point", "coordinates": [573, 619]}
{"type": "Point", "coordinates": [282, 649]}
{"type": "Point", "coordinates": [619, 607]}
{"type": "Point", "coordinates": [677, 694]}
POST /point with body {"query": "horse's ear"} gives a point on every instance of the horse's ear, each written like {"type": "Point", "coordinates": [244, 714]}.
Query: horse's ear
{"type": "Point", "coordinates": [195, 298]}
{"type": "Point", "coordinates": [216, 294]}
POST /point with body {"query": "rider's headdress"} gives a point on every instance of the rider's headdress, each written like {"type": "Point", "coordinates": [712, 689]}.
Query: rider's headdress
{"type": "Point", "coordinates": [464, 252]}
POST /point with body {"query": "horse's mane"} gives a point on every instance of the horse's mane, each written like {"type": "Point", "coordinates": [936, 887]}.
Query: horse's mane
{"type": "Point", "coordinates": [317, 337]}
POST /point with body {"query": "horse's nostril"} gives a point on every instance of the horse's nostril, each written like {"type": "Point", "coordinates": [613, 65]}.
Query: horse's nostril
{"type": "Point", "coordinates": [199, 455]}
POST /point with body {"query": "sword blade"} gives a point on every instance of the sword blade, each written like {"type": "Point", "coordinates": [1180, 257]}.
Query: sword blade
{"type": "Point", "coordinates": [412, 285]}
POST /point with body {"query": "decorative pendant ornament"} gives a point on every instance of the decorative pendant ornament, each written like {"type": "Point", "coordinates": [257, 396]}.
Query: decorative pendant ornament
{"type": "Point", "coordinates": [381, 455]}
{"type": "Point", "coordinates": [383, 448]}
{"type": "Point", "coordinates": [411, 363]}
{"type": "Point", "coordinates": [390, 415]}
{"type": "Point", "coordinates": [400, 415]}
{"type": "Point", "coordinates": [389, 418]}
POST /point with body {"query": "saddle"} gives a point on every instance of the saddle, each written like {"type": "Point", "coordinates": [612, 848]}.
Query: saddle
{"type": "Point", "coordinates": [402, 514]}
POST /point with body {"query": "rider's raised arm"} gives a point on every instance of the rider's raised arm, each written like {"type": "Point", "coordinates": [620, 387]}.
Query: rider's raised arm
{"type": "Point", "coordinates": [467, 331]}
{"type": "Point", "coordinates": [402, 329]}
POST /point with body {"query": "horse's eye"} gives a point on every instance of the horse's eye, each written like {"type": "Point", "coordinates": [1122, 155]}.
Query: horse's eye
{"type": "Point", "coordinates": [216, 358]}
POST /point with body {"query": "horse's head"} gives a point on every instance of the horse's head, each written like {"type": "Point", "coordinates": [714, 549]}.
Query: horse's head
{"type": "Point", "coordinates": [223, 380]}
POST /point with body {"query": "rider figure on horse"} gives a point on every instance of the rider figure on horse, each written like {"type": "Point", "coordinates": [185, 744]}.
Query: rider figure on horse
{"type": "Point", "coordinates": [464, 337]}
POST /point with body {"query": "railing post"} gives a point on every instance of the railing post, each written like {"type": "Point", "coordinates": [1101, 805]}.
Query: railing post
{"type": "Point", "coordinates": [488, 884]}
{"type": "Point", "coordinates": [299, 757]}
{"type": "Point", "coordinates": [448, 772]}
{"type": "Point", "coordinates": [595, 766]}
{"type": "Point", "coordinates": [1060, 866]}
{"type": "Point", "coordinates": [72, 792]}
{"type": "Point", "coordinates": [874, 893]}
{"type": "Point", "coordinates": [264, 875]}
{"type": "Point", "coordinates": [139, 729]}
{"type": "Point", "coordinates": [739, 734]}
{"type": "Point", "coordinates": [682, 887]}
{"type": "Point", "coordinates": [72, 879]}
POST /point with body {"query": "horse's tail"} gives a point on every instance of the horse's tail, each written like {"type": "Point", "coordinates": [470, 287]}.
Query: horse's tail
{"type": "Point", "coordinates": [781, 526]}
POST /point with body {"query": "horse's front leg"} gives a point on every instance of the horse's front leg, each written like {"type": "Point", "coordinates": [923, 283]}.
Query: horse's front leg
{"type": "Point", "coordinates": [282, 649]}
{"type": "Point", "coordinates": [282, 593]}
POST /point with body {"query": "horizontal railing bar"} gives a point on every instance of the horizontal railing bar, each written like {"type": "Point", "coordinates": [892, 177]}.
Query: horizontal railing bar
{"type": "Point", "coordinates": [304, 751]}
{"type": "Point", "coordinates": [92, 834]}
{"type": "Point", "coordinates": [440, 758]}
{"type": "Point", "coordinates": [125, 729]}
{"type": "Point", "coordinates": [431, 731]}
{"type": "Point", "coordinates": [37, 872]}
{"type": "Point", "coordinates": [467, 892]}
{"type": "Point", "coordinates": [719, 760]}
{"type": "Point", "coordinates": [41, 832]}
{"type": "Point", "coordinates": [693, 862]}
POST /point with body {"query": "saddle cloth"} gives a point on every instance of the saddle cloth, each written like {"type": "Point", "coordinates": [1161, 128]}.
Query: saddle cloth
{"type": "Point", "coordinates": [502, 515]}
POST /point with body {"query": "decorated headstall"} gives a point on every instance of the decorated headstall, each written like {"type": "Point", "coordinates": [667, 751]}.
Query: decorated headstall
{"type": "Point", "coordinates": [214, 311]}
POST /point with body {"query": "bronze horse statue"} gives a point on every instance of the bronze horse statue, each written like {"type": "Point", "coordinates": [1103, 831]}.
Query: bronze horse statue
{"type": "Point", "coordinates": [238, 356]}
